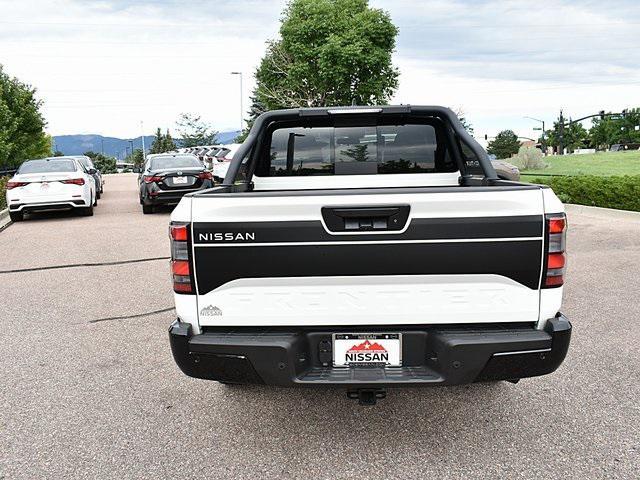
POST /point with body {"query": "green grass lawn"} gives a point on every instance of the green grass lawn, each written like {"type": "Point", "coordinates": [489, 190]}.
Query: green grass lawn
{"type": "Point", "coordinates": [602, 164]}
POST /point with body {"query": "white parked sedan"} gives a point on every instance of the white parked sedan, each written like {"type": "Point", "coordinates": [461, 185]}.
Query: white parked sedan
{"type": "Point", "coordinates": [222, 160]}
{"type": "Point", "coordinates": [51, 184]}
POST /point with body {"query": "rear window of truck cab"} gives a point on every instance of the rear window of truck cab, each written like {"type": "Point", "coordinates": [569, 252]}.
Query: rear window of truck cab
{"type": "Point", "coordinates": [356, 150]}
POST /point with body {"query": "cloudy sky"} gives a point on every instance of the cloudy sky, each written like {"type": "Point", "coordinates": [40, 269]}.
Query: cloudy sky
{"type": "Point", "coordinates": [105, 66]}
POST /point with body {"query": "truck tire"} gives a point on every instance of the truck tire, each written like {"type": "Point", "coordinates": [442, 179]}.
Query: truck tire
{"type": "Point", "coordinates": [16, 216]}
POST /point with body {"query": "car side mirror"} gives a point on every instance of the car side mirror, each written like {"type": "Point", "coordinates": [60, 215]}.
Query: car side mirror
{"type": "Point", "coordinates": [92, 171]}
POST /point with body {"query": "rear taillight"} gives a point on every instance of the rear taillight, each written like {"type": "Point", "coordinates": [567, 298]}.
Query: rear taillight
{"type": "Point", "coordinates": [180, 265]}
{"type": "Point", "coordinates": [74, 181]}
{"type": "Point", "coordinates": [205, 176]}
{"type": "Point", "coordinates": [556, 261]}
{"type": "Point", "coordinates": [152, 179]}
{"type": "Point", "coordinates": [11, 185]}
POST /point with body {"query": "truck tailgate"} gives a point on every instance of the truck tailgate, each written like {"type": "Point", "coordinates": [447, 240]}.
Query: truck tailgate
{"type": "Point", "coordinates": [369, 256]}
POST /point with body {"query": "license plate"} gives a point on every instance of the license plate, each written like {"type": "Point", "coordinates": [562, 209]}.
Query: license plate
{"type": "Point", "coordinates": [352, 349]}
{"type": "Point", "coordinates": [179, 180]}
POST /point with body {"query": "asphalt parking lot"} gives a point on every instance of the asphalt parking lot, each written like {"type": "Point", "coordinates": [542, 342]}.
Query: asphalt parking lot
{"type": "Point", "coordinates": [86, 395]}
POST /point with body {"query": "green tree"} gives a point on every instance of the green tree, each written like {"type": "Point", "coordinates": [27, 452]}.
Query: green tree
{"type": "Point", "coordinates": [22, 125]}
{"type": "Point", "coordinates": [504, 145]}
{"type": "Point", "coordinates": [330, 52]}
{"type": "Point", "coordinates": [104, 163]}
{"type": "Point", "coordinates": [194, 131]}
{"type": "Point", "coordinates": [136, 158]}
{"type": "Point", "coordinates": [255, 110]}
{"type": "Point", "coordinates": [169, 144]}
{"type": "Point", "coordinates": [610, 130]}
{"type": "Point", "coordinates": [574, 135]}
{"type": "Point", "coordinates": [464, 121]}
{"type": "Point", "coordinates": [162, 143]}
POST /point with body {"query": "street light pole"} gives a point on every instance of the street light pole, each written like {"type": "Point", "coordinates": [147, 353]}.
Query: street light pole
{"type": "Point", "coordinates": [241, 105]}
{"type": "Point", "coordinates": [561, 133]}
{"type": "Point", "coordinates": [144, 154]}
{"type": "Point", "coordinates": [544, 144]}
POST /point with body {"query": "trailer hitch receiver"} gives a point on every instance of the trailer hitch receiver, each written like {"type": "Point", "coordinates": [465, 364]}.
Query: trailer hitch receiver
{"type": "Point", "coordinates": [367, 396]}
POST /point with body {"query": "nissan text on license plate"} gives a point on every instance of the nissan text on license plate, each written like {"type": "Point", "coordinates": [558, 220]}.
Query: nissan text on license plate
{"type": "Point", "coordinates": [181, 180]}
{"type": "Point", "coordinates": [352, 349]}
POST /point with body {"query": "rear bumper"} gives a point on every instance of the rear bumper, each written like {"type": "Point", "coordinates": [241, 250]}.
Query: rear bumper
{"type": "Point", "coordinates": [433, 356]}
{"type": "Point", "coordinates": [168, 197]}
{"type": "Point", "coordinates": [56, 205]}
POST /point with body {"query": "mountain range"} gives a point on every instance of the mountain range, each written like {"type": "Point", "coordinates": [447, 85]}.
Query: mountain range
{"type": "Point", "coordinates": [113, 146]}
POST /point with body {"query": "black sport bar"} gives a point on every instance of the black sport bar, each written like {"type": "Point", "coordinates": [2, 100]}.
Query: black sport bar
{"type": "Point", "coordinates": [291, 114]}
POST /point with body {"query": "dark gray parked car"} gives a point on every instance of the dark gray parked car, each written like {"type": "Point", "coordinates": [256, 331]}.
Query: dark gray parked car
{"type": "Point", "coordinates": [166, 177]}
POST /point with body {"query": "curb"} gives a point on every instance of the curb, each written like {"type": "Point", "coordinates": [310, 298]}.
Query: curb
{"type": "Point", "coordinates": [599, 212]}
{"type": "Point", "coordinates": [4, 219]}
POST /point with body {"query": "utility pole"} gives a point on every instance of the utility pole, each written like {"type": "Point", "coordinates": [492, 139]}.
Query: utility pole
{"type": "Point", "coordinates": [561, 134]}
{"type": "Point", "coordinates": [102, 145]}
{"type": "Point", "coordinates": [144, 153]}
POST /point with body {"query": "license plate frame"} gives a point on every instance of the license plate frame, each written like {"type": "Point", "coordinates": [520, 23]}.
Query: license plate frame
{"type": "Point", "coordinates": [351, 350]}
{"type": "Point", "coordinates": [180, 180]}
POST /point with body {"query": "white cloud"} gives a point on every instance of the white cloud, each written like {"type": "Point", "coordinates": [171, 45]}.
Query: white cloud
{"type": "Point", "coordinates": [101, 67]}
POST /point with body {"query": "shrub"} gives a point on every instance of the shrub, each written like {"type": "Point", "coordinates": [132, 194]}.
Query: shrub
{"type": "Point", "coordinates": [621, 192]}
{"type": "Point", "coordinates": [529, 158]}
{"type": "Point", "coordinates": [3, 190]}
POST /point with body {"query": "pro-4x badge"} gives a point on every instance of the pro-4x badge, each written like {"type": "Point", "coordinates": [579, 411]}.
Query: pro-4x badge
{"type": "Point", "coordinates": [210, 311]}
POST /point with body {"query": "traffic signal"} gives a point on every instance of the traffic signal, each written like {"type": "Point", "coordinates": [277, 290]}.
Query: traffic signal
{"type": "Point", "coordinates": [624, 113]}
{"type": "Point", "coordinates": [601, 114]}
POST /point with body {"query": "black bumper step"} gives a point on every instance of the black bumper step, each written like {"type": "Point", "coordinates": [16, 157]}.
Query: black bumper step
{"type": "Point", "coordinates": [369, 375]}
{"type": "Point", "coordinates": [433, 355]}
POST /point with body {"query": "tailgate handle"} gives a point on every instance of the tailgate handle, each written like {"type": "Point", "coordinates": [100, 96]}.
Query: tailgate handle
{"type": "Point", "coordinates": [350, 219]}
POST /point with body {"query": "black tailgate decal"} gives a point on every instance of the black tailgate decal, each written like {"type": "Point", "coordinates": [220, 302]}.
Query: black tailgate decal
{"type": "Point", "coordinates": [519, 260]}
{"type": "Point", "coordinates": [419, 229]}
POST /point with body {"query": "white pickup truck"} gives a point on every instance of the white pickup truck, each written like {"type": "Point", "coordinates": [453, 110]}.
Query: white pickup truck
{"type": "Point", "coordinates": [367, 247]}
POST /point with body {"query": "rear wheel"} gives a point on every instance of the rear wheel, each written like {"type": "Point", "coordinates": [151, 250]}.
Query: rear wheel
{"type": "Point", "coordinates": [95, 200]}
{"type": "Point", "coordinates": [147, 209]}
{"type": "Point", "coordinates": [98, 194]}
{"type": "Point", "coordinates": [16, 216]}
{"type": "Point", "coordinates": [87, 211]}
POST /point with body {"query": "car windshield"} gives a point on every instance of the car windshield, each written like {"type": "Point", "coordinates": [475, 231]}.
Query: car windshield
{"type": "Point", "coordinates": [47, 166]}
{"type": "Point", "coordinates": [161, 163]}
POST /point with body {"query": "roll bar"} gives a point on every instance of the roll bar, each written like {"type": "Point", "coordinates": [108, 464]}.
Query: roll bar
{"type": "Point", "coordinates": [267, 118]}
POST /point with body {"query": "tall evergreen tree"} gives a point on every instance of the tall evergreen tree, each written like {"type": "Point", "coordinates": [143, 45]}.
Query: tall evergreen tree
{"type": "Point", "coordinates": [504, 145]}
{"type": "Point", "coordinates": [159, 144]}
